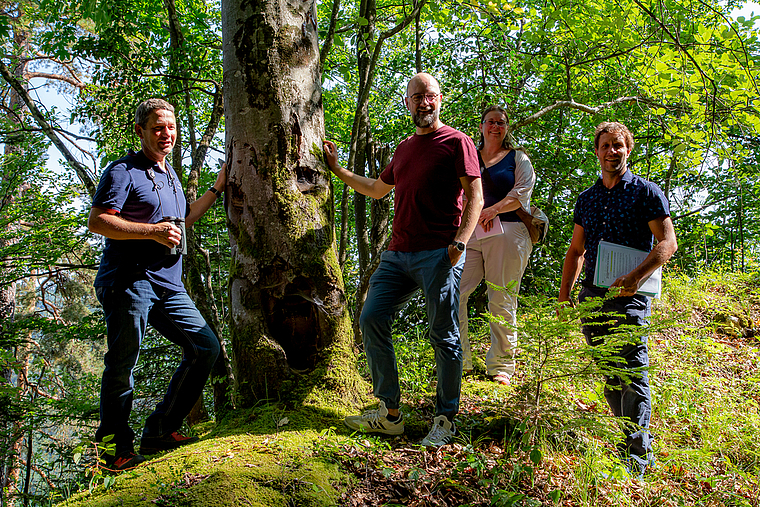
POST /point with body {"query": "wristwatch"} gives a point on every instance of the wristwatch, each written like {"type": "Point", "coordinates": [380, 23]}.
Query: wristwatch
{"type": "Point", "coordinates": [459, 245]}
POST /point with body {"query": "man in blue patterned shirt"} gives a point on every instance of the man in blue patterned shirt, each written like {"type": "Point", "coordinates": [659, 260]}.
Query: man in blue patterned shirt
{"type": "Point", "coordinates": [628, 210]}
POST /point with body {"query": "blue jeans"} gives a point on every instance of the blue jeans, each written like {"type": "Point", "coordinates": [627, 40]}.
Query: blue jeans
{"type": "Point", "coordinates": [128, 311]}
{"type": "Point", "coordinates": [632, 400]}
{"type": "Point", "coordinates": [393, 284]}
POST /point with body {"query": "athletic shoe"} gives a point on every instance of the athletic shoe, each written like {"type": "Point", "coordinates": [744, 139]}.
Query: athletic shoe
{"type": "Point", "coordinates": [637, 466]}
{"type": "Point", "coordinates": [123, 461]}
{"type": "Point", "coordinates": [502, 378]}
{"type": "Point", "coordinates": [376, 421]}
{"type": "Point", "coordinates": [152, 445]}
{"type": "Point", "coordinates": [441, 433]}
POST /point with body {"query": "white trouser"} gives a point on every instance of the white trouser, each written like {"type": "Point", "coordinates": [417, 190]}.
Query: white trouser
{"type": "Point", "coordinates": [502, 260]}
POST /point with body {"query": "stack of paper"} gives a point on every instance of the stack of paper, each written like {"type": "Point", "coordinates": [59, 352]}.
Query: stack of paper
{"type": "Point", "coordinates": [614, 261]}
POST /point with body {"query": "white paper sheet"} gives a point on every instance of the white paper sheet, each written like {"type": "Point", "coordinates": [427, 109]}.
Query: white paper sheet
{"type": "Point", "coordinates": [614, 261]}
{"type": "Point", "coordinates": [480, 233]}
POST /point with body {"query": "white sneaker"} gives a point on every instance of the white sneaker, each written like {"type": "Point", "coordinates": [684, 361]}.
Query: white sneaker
{"type": "Point", "coordinates": [376, 421]}
{"type": "Point", "coordinates": [441, 433]}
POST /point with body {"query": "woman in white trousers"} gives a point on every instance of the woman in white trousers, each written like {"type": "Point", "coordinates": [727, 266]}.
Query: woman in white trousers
{"type": "Point", "coordinates": [499, 257]}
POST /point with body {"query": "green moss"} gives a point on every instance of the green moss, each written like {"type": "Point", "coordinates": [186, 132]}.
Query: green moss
{"type": "Point", "coordinates": [244, 241]}
{"type": "Point", "coordinates": [248, 465]}
{"type": "Point", "coordinates": [318, 153]}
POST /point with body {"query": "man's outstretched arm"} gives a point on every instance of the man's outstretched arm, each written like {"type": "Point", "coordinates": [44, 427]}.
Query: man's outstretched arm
{"type": "Point", "coordinates": [375, 188]}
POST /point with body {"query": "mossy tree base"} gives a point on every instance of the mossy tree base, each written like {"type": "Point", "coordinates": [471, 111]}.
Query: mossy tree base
{"type": "Point", "coordinates": [290, 329]}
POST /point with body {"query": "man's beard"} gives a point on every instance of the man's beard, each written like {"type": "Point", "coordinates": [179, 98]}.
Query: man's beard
{"type": "Point", "coordinates": [425, 119]}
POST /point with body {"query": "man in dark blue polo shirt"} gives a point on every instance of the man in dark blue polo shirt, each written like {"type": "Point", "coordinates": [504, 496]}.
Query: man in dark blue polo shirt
{"type": "Point", "coordinates": [625, 209]}
{"type": "Point", "coordinates": [140, 208]}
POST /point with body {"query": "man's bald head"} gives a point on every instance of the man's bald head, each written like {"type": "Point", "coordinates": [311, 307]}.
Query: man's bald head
{"type": "Point", "coordinates": [423, 80]}
{"type": "Point", "coordinates": [423, 99]}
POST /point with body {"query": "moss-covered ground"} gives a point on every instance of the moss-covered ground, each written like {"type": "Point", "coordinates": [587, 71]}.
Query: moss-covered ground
{"type": "Point", "coordinates": [511, 451]}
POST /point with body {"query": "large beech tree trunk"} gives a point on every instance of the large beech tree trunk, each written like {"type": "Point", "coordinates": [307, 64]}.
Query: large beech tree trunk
{"type": "Point", "coordinates": [290, 330]}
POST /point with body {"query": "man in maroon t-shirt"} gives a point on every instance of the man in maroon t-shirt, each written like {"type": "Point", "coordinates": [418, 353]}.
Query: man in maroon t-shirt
{"type": "Point", "coordinates": [430, 170]}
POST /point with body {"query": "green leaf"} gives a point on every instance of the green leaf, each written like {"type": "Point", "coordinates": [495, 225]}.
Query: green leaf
{"type": "Point", "coordinates": [536, 456]}
{"type": "Point", "coordinates": [5, 27]}
{"type": "Point", "coordinates": [362, 21]}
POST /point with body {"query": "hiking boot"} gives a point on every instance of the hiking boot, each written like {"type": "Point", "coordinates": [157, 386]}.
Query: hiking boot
{"type": "Point", "coordinates": [441, 433]}
{"type": "Point", "coordinates": [152, 445]}
{"type": "Point", "coordinates": [122, 461]}
{"type": "Point", "coordinates": [376, 421]}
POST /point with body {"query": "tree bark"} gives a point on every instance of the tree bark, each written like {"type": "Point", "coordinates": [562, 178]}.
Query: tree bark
{"type": "Point", "coordinates": [343, 242]}
{"type": "Point", "coordinates": [12, 432]}
{"type": "Point", "coordinates": [289, 328]}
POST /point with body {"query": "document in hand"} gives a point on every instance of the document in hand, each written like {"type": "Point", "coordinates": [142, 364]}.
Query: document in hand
{"type": "Point", "coordinates": [480, 233]}
{"type": "Point", "coordinates": [614, 261]}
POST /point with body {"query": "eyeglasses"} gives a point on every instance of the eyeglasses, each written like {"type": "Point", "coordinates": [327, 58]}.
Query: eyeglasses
{"type": "Point", "coordinates": [417, 97]}
{"type": "Point", "coordinates": [492, 123]}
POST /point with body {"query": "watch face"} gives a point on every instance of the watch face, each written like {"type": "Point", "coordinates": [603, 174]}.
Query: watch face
{"type": "Point", "coordinates": [460, 246]}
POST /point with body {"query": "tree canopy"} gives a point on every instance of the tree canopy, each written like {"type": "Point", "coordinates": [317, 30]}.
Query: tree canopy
{"type": "Point", "coordinates": [681, 74]}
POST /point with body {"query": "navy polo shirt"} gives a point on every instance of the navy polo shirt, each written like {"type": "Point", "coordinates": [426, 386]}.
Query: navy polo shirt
{"type": "Point", "coordinates": [125, 187]}
{"type": "Point", "coordinates": [620, 214]}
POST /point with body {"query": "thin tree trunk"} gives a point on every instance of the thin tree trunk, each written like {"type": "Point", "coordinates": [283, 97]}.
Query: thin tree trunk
{"type": "Point", "coordinates": [327, 46]}
{"type": "Point", "coordinates": [198, 263]}
{"type": "Point", "coordinates": [360, 142]}
{"type": "Point", "coordinates": [380, 209]}
{"type": "Point", "coordinates": [367, 57]}
{"type": "Point", "coordinates": [670, 175]}
{"type": "Point", "coordinates": [343, 243]}
{"type": "Point", "coordinates": [418, 43]}
{"type": "Point", "coordinates": [380, 222]}
{"type": "Point", "coordinates": [11, 430]}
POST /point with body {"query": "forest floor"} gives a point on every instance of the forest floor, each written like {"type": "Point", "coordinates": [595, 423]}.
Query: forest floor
{"type": "Point", "coordinates": [706, 391]}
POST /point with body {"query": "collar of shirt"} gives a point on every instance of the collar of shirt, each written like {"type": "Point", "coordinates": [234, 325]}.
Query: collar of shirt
{"type": "Point", "coordinates": [144, 162]}
{"type": "Point", "coordinates": [625, 180]}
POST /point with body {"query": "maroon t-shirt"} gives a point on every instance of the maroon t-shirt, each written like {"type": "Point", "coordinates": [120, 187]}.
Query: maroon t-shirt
{"type": "Point", "coordinates": [428, 203]}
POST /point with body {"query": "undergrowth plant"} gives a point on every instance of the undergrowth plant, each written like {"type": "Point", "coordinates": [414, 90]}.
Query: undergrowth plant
{"type": "Point", "coordinates": [555, 364]}
{"type": "Point", "coordinates": [706, 390]}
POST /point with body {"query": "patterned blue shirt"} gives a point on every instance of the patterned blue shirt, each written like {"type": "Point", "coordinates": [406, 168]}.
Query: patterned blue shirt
{"type": "Point", "coordinates": [619, 215]}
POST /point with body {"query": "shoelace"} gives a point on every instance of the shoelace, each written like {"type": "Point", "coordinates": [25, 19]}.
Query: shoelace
{"type": "Point", "coordinates": [437, 432]}
{"type": "Point", "coordinates": [371, 415]}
